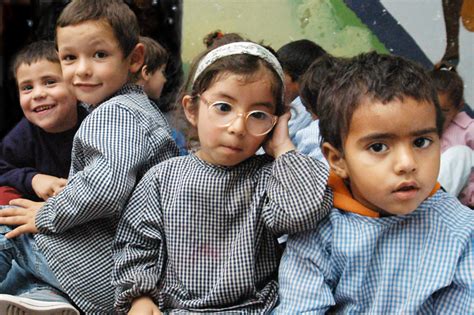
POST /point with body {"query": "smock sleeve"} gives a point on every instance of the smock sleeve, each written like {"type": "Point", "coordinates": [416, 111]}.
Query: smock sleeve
{"type": "Point", "coordinates": [297, 194]}
{"type": "Point", "coordinates": [138, 248]}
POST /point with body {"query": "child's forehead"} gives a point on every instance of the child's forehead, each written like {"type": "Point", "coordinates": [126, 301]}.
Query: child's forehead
{"type": "Point", "coordinates": [39, 68]}
{"type": "Point", "coordinates": [398, 116]}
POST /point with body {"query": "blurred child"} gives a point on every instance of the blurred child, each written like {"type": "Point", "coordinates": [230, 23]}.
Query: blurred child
{"type": "Point", "coordinates": [458, 128]}
{"type": "Point", "coordinates": [218, 38]}
{"type": "Point", "coordinates": [124, 136]}
{"type": "Point", "coordinates": [152, 77]}
{"type": "Point", "coordinates": [308, 139]}
{"type": "Point", "coordinates": [35, 155]}
{"type": "Point", "coordinates": [394, 243]}
{"type": "Point", "coordinates": [206, 237]}
{"type": "Point", "coordinates": [295, 58]}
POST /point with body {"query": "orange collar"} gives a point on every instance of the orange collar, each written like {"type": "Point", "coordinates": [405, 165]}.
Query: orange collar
{"type": "Point", "coordinates": [343, 198]}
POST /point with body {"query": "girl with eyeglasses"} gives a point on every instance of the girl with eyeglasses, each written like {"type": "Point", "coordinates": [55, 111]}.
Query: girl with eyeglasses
{"type": "Point", "coordinates": [200, 232]}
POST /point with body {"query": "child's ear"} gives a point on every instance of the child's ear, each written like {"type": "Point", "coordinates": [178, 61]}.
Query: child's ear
{"type": "Point", "coordinates": [137, 57]}
{"type": "Point", "coordinates": [190, 110]}
{"type": "Point", "coordinates": [144, 73]}
{"type": "Point", "coordinates": [336, 160]}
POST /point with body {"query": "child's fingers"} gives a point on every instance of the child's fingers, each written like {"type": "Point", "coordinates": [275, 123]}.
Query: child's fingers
{"type": "Point", "coordinates": [22, 229]}
{"type": "Point", "coordinates": [24, 203]}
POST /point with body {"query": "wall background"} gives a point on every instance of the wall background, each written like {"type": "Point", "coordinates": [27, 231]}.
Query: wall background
{"type": "Point", "coordinates": [413, 28]}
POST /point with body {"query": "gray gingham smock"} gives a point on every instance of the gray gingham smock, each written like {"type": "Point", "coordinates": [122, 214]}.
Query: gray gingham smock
{"type": "Point", "coordinates": [201, 237]}
{"type": "Point", "coordinates": [113, 148]}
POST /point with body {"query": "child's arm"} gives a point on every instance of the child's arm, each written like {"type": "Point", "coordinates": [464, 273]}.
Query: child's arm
{"type": "Point", "coordinates": [298, 196]}
{"type": "Point", "coordinates": [458, 297]}
{"type": "Point", "coordinates": [17, 167]}
{"type": "Point", "coordinates": [138, 247]}
{"type": "Point", "coordinates": [46, 186]}
{"type": "Point", "coordinates": [305, 274]}
{"type": "Point", "coordinates": [111, 149]}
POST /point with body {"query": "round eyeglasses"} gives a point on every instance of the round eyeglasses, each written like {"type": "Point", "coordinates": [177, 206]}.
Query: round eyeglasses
{"type": "Point", "coordinates": [223, 114]}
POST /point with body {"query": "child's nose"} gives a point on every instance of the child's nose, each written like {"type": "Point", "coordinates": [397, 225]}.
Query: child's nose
{"type": "Point", "coordinates": [83, 68]}
{"type": "Point", "coordinates": [238, 125]}
{"type": "Point", "coordinates": [405, 161]}
{"type": "Point", "coordinates": [39, 92]}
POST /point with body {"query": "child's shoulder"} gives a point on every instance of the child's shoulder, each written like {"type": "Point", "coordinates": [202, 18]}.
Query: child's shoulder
{"type": "Point", "coordinates": [463, 120]}
{"type": "Point", "coordinates": [454, 217]}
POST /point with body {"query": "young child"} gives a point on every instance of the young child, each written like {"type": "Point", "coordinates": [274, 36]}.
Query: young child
{"type": "Point", "coordinates": [394, 243]}
{"type": "Point", "coordinates": [124, 136]}
{"type": "Point", "coordinates": [308, 139]}
{"type": "Point", "coordinates": [458, 128]}
{"type": "Point", "coordinates": [35, 155]}
{"type": "Point", "coordinates": [295, 58]}
{"type": "Point", "coordinates": [152, 77]}
{"type": "Point", "coordinates": [205, 239]}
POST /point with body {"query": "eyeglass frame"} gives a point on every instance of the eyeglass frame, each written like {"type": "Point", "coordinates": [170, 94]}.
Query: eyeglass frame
{"type": "Point", "coordinates": [247, 114]}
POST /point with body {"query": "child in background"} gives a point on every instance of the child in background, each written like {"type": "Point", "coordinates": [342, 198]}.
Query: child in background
{"type": "Point", "coordinates": [35, 155]}
{"type": "Point", "coordinates": [123, 137]}
{"type": "Point", "coordinates": [295, 58]}
{"type": "Point", "coordinates": [308, 138]}
{"type": "Point", "coordinates": [394, 243]}
{"type": "Point", "coordinates": [458, 129]}
{"type": "Point", "coordinates": [152, 77]}
{"type": "Point", "coordinates": [205, 239]}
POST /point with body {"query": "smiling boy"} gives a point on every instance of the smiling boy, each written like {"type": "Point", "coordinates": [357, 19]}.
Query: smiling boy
{"type": "Point", "coordinates": [35, 155]}
{"type": "Point", "coordinates": [394, 243]}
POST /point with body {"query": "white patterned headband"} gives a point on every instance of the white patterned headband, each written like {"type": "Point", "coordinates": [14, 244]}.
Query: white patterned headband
{"type": "Point", "coordinates": [238, 48]}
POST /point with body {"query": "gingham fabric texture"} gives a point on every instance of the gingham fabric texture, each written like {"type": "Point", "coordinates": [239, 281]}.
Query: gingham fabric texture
{"type": "Point", "coordinates": [114, 147]}
{"type": "Point", "coordinates": [420, 263]}
{"type": "Point", "coordinates": [201, 237]}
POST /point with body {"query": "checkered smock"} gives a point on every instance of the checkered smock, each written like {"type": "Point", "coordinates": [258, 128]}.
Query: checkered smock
{"type": "Point", "coordinates": [419, 263]}
{"type": "Point", "coordinates": [201, 237]}
{"type": "Point", "coordinates": [114, 147]}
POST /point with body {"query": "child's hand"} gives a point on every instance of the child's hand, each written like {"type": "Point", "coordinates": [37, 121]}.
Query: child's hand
{"type": "Point", "coordinates": [23, 216]}
{"type": "Point", "coordinates": [144, 306]}
{"type": "Point", "coordinates": [46, 186]}
{"type": "Point", "coordinates": [280, 141]}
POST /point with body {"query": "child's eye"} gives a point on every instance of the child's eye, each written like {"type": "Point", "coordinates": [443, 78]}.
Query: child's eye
{"type": "Point", "coordinates": [259, 115]}
{"type": "Point", "coordinates": [50, 82]}
{"type": "Point", "coordinates": [68, 58]}
{"type": "Point", "coordinates": [222, 107]}
{"type": "Point", "coordinates": [378, 147]}
{"type": "Point", "coordinates": [26, 88]}
{"type": "Point", "coordinates": [100, 55]}
{"type": "Point", "coordinates": [422, 142]}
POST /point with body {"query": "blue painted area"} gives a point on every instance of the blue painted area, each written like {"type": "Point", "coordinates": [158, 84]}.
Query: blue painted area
{"type": "Point", "coordinates": [383, 25]}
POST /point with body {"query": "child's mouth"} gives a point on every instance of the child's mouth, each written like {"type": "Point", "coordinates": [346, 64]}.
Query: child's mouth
{"type": "Point", "coordinates": [406, 192]}
{"type": "Point", "coordinates": [42, 108]}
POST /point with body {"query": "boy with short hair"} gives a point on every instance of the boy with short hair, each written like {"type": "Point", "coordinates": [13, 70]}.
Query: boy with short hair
{"type": "Point", "coordinates": [35, 155]}
{"type": "Point", "coordinates": [394, 243]}
{"type": "Point", "coordinates": [295, 58]}
{"type": "Point", "coordinates": [123, 137]}
{"type": "Point", "coordinates": [152, 77]}
{"type": "Point", "coordinates": [307, 138]}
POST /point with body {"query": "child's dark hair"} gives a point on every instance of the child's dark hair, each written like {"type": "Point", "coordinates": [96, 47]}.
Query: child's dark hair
{"type": "Point", "coordinates": [450, 83]}
{"type": "Point", "coordinates": [240, 64]}
{"type": "Point", "coordinates": [155, 55]}
{"type": "Point", "coordinates": [313, 78]}
{"type": "Point", "coordinates": [296, 57]}
{"type": "Point", "coordinates": [114, 12]}
{"type": "Point", "coordinates": [218, 38]}
{"type": "Point", "coordinates": [370, 77]}
{"type": "Point", "coordinates": [34, 52]}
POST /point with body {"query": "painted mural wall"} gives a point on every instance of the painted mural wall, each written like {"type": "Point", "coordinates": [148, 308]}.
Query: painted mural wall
{"type": "Point", "coordinates": [411, 28]}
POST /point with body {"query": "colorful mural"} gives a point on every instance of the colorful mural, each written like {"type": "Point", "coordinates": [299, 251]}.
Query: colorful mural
{"type": "Point", "coordinates": [414, 29]}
